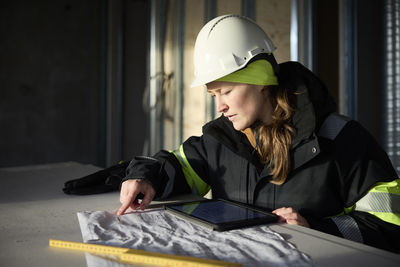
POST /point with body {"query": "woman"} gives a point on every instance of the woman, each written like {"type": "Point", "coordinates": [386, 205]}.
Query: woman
{"type": "Point", "coordinates": [278, 145]}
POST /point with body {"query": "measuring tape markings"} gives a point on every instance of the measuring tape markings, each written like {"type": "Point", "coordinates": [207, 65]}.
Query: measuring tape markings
{"type": "Point", "coordinates": [141, 256]}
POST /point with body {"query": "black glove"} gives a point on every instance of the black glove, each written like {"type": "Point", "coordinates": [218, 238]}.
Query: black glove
{"type": "Point", "coordinates": [102, 181]}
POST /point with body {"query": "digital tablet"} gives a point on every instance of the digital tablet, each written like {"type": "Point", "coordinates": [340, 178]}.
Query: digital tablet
{"type": "Point", "coordinates": [221, 215]}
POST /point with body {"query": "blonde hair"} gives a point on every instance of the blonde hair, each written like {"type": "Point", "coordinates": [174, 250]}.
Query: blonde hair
{"type": "Point", "coordinates": [275, 139]}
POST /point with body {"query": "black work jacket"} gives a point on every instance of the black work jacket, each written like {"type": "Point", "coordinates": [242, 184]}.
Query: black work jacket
{"type": "Point", "coordinates": [331, 166]}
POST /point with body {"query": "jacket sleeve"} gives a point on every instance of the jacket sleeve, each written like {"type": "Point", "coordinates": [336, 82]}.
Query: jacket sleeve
{"type": "Point", "coordinates": [173, 172]}
{"type": "Point", "coordinates": [370, 191]}
{"type": "Point", "coordinates": [373, 220]}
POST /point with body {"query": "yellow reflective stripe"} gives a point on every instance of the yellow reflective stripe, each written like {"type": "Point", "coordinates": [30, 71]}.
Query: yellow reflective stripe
{"type": "Point", "coordinates": [197, 185]}
{"type": "Point", "coordinates": [392, 187]}
{"type": "Point", "coordinates": [383, 201]}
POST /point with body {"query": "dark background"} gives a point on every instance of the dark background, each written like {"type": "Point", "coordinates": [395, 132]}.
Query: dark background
{"type": "Point", "coordinates": [55, 67]}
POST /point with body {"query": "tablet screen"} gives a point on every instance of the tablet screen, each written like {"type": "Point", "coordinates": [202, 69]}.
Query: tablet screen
{"type": "Point", "coordinates": [218, 211]}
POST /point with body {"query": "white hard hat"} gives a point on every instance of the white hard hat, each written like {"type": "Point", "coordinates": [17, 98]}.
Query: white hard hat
{"type": "Point", "coordinates": [226, 44]}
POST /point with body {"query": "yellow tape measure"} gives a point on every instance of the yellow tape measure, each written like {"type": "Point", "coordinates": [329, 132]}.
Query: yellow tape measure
{"type": "Point", "coordinates": [140, 256]}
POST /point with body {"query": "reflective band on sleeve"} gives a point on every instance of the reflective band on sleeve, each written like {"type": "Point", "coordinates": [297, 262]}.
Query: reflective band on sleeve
{"type": "Point", "coordinates": [197, 185]}
{"type": "Point", "coordinates": [379, 202]}
{"type": "Point", "coordinates": [383, 201]}
{"type": "Point", "coordinates": [392, 187]}
{"type": "Point", "coordinates": [348, 227]}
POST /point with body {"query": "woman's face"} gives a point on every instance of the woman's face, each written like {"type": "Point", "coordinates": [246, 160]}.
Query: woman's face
{"type": "Point", "coordinates": [241, 103]}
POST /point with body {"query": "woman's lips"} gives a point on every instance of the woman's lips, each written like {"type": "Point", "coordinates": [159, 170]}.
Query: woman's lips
{"type": "Point", "coordinates": [230, 117]}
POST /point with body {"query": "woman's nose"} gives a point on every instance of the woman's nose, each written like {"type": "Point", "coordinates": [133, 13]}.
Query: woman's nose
{"type": "Point", "coordinates": [220, 105]}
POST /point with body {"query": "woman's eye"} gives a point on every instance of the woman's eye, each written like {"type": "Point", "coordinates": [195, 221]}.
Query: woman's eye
{"type": "Point", "coordinates": [225, 92]}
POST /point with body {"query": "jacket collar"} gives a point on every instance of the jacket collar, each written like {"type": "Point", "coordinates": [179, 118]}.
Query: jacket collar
{"type": "Point", "coordinates": [222, 130]}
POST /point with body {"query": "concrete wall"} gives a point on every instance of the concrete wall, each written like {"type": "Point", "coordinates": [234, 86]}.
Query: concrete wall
{"type": "Point", "coordinates": [49, 80]}
{"type": "Point", "coordinates": [53, 77]}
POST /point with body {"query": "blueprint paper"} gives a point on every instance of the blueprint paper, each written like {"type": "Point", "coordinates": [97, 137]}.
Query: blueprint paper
{"type": "Point", "coordinates": [158, 231]}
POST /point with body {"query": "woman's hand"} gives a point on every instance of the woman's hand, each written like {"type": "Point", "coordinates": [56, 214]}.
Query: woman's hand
{"type": "Point", "coordinates": [129, 191]}
{"type": "Point", "coordinates": [290, 216]}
